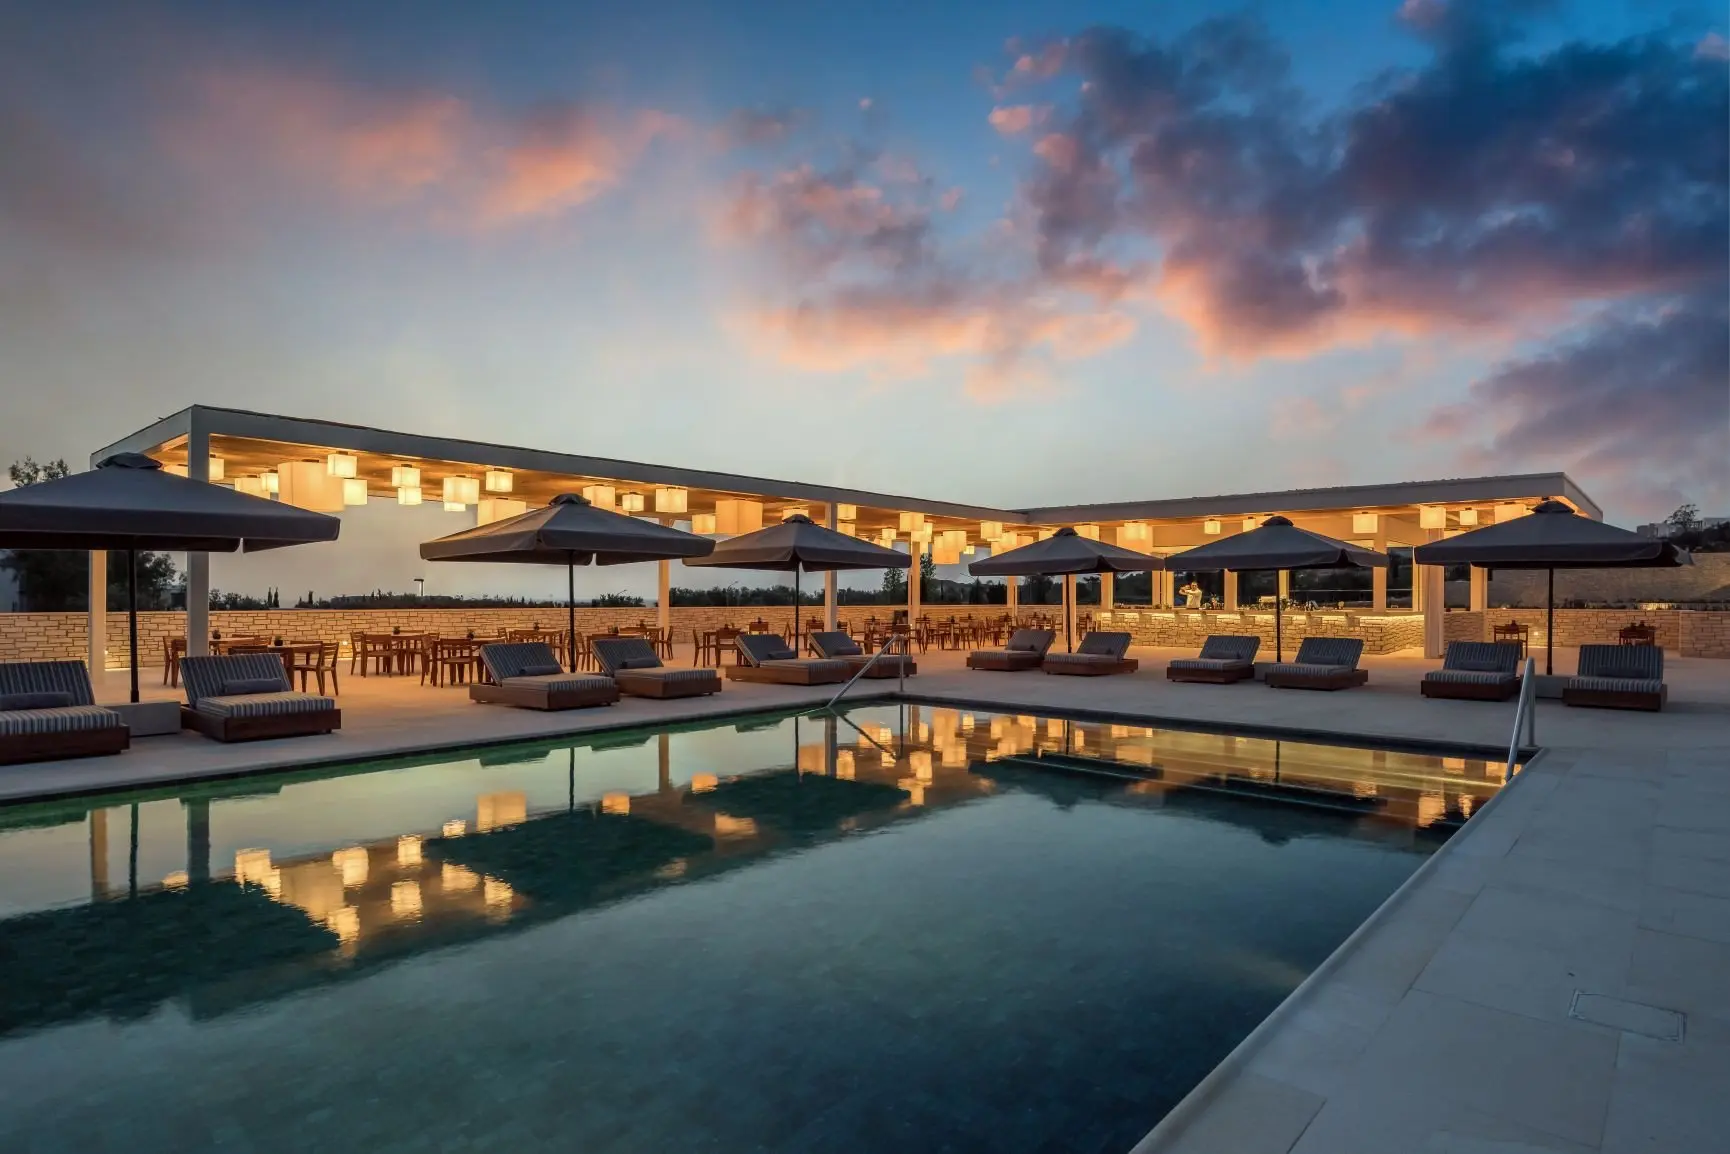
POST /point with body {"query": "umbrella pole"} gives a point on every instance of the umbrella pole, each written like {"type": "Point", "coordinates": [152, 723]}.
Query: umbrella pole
{"type": "Point", "coordinates": [1278, 625]}
{"type": "Point", "coordinates": [1549, 622]}
{"type": "Point", "coordinates": [571, 609]}
{"type": "Point", "coordinates": [131, 613]}
{"type": "Point", "coordinates": [1068, 623]}
{"type": "Point", "coordinates": [795, 631]}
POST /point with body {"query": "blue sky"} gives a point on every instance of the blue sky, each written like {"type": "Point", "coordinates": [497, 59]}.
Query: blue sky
{"type": "Point", "coordinates": [1183, 248]}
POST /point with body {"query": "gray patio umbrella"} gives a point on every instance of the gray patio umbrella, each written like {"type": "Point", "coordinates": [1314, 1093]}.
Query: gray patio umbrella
{"type": "Point", "coordinates": [568, 532]}
{"type": "Point", "coordinates": [800, 545]}
{"type": "Point", "coordinates": [130, 502]}
{"type": "Point", "coordinates": [1064, 554]}
{"type": "Point", "coordinates": [1553, 537]}
{"type": "Point", "coordinates": [1277, 544]}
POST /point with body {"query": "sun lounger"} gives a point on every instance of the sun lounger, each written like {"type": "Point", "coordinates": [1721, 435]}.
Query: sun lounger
{"type": "Point", "coordinates": [1618, 677]}
{"type": "Point", "coordinates": [1098, 655]}
{"type": "Point", "coordinates": [47, 711]}
{"type": "Point", "coordinates": [527, 674]}
{"type": "Point", "coordinates": [1476, 671]}
{"type": "Point", "coordinates": [1223, 659]}
{"type": "Point", "coordinates": [247, 697]}
{"type": "Point", "coordinates": [1321, 663]}
{"type": "Point", "coordinates": [837, 646]}
{"type": "Point", "coordinates": [632, 664]}
{"type": "Point", "coordinates": [1026, 650]}
{"type": "Point", "coordinates": [764, 657]}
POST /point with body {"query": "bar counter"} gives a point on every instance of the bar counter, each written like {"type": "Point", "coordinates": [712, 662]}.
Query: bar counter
{"type": "Point", "coordinates": [1381, 630]}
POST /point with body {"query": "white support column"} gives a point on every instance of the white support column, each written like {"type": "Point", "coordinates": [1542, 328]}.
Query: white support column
{"type": "Point", "coordinates": [1379, 578]}
{"type": "Point", "coordinates": [1107, 591]}
{"type": "Point", "coordinates": [914, 550]}
{"type": "Point", "coordinates": [1230, 589]}
{"type": "Point", "coordinates": [1069, 613]}
{"type": "Point", "coordinates": [829, 579]}
{"type": "Point", "coordinates": [1480, 602]}
{"type": "Point", "coordinates": [96, 652]}
{"type": "Point", "coordinates": [198, 564]}
{"type": "Point", "coordinates": [1167, 595]}
{"type": "Point", "coordinates": [664, 595]}
{"type": "Point", "coordinates": [1429, 596]}
{"type": "Point", "coordinates": [1283, 590]}
{"type": "Point", "coordinates": [1012, 596]}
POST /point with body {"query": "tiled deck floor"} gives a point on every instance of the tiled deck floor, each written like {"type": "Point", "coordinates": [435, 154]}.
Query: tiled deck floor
{"type": "Point", "coordinates": [1444, 1026]}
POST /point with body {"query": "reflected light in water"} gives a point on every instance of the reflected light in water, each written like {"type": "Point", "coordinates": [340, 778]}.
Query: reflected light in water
{"type": "Point", "coordinates": [455, 827]}
{"type": "Point", "coordinates": [405, 899]}
{"type": "Point", "coordinates": [352, 864]}
{"type": "Point", "coordinates": [844, 764]}
{"type": "Point", "coordinates": [458, 879]}
{"type": "Point", "coordinates": [408, 850]}
{"type": "Point", "coordinates": [496, 893]}
{"type": "Point", "coordinates": [704, 782]}
{"type": "Point", "coordinates": [344, 922]}
{"type": "Point", "coordinates": [618, 802]}
{"type": "Point", "coordinates": [726, 825]}
{"type": "Point", "coordinates": [176, 880]}
{"type": "Point", "coordinates": [920, 762]}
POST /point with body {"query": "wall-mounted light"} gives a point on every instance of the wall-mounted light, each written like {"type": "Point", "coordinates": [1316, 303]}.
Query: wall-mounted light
{"type": "Point", "coordinates": [342, 465]}
{"type": "Point", "coordinates": [671, 500]}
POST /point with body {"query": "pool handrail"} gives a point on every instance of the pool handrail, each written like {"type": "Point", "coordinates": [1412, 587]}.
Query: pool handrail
{"type": "Point", "coordinates": [1527, 711]}
{"type": "Point", "coordinates": [901, 680]}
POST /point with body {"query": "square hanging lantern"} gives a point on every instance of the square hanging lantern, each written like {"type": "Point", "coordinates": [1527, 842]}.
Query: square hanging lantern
{"type": "Point", "coordinates": [908, 522]}
{"type": "Point", "coordinates": [1090, 531]}
{"type": "Point", "coordinates": [344, 465]}
{"type": "Point", "coordinates": [1211, 526]}
{"type": "Point", "coordinates": [923, 534]}
{"type": "Point", "coordinates": [1137, 535]}
{"type": "Point", "coordinates": [968, 550]}
{"type": "Point", "coordinates": [251, 486]}
{"type": "Point", "coordinates": [405, 476]}
{"type": "Point", "coordinates": [1510, 511]}
{"type": "Point", "coordinates": [272, 483]}
{"type": "Point", "coordinates": [845, 512]}
{"type": "Point", "coordinates": [1248, 524]}
{"type": "Point", "coordinates": [1433, 517]}
{"type": "Point", "coordinates": [736, 515]}
{"type": "Point", "coordinates": [1468, 517]}
{"type": "Point", "coordinates": [796, 511]}
{"type": "Point", "coordinates": [850, 528]}
{"type": "Point", "coordinates": [499, 481]}
{"type": "Point", "coordinates": [461, 491]}
{"type": "Point", "coordinates": [631, 502]}
{"type": "Point", "coordinates": [671, 500]}
{"type": "Point", "coordinates": [1365, 522]}
{"type": "Point", "coordinates": [408, 495]}
{"type": "Point", "coordinates": [455, 507]}
{"type": "Point", "coordinates": [1047, 534]}
{"type": "Point", "coordinates": [354, 491]}
{"type": "Point", "coordinates": [218, 469]}
{"type": "Point", "coordinates": [492, 509]}
{"type": "Point", "coordinates": [600, 496]}
{"type": "Point", "coordinates": [887, 537]}
{"type": "Point", "coordinates": [703, 524]}
{"type": "Point", "coordinates": [991, 530]}
{"type": "Point", "coordinates": [309, 485]}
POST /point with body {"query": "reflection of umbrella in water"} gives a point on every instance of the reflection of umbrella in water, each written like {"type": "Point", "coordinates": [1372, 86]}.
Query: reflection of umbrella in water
{"type": "Point", "coordinates": [124, 957]}
{"type": "Point", "coordinates": [572, 858]}
{"type": "Point", "coordinates": [796, 803]}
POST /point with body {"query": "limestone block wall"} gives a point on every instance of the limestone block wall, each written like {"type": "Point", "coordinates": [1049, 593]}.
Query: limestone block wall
{"type": "Point", "coordinates": [1188, 628]}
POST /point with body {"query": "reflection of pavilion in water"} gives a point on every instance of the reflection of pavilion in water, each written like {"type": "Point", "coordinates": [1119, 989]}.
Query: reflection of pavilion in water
{"type": "Point", "coordinates": [504, 867]}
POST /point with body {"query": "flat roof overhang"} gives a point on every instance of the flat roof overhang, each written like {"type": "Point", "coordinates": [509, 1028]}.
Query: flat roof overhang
{"type": "Point", "coordinates": [251, 442]}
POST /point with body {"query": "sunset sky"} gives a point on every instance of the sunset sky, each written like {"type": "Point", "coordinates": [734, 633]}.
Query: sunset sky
{"type": "Point", "coordinates": [910, 247]}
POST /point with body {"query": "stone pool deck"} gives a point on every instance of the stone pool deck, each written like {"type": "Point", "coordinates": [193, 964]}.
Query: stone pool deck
{"type": "Point", "coordinates": [1556, 979]}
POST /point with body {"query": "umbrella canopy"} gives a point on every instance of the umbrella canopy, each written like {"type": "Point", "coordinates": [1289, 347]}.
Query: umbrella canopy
{"type": "Point", "coordinates": [798, 545]}
{"type": "Point", "coordinates": [1277, 544]}
{"type": "Point", "coordinates": [1064, 554]}
{"type": "Point", "coordinates": [1553, 537]}
{"type": "Point", "coordinates": [568, 532]}
{"type": "Point", "coordinates": [130, 502]}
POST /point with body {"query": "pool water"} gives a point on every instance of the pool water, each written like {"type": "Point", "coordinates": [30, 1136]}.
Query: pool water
{"type": "Point", "coordinates": [906, 929]}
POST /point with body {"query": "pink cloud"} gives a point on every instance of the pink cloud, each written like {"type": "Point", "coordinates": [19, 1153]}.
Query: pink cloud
{"type": "Point", "coordinates": [1012, 119]}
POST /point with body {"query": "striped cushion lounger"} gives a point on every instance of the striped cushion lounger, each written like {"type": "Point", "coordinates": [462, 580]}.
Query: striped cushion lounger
{"type": "Point", "coordinates": [1223, 660]}
{"type": "Point", "coordinates": [1026, 650]}
{"type": "Point", "coordinates": [1476, 671]}
{"type": "Point", "coordinates": [516, 669]}
{"type": "Point", "coordinates": [226, 699]}
{"type": "Point", "coordinates": [837, 646]}
{"type": "Point", "coordinates": [1098, 655]}
{"type": "Point", "coordinates": [763, 657]}
{"type": "Point", "coordinates": [1618, 677]}
{"type": "Point", "coordinates": [632, 664]}
{"type": "Point", "coordinates": [1321, 663]}
{"type": "Point", "coordinates": [75, 726]}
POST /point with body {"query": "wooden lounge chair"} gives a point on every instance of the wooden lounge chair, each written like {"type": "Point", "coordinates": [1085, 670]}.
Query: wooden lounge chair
{"type": "Point", "coordinates": [247, 697]}
{"type": "Point", "coordinates": [527, 674]}
{"type": "Point", "coordinates": [1476, 671]}
{"type": "Point", "coordinates": [1026, 650]}
{"type": "Point", "coordinates": [1321, 663]}
{"type": "Point", "coordinates": [837, 646]}
{"type": "Point", "coordinates": [1224, 659]}
{"type": "Point", "coordinates": [637, 670]}
{"type": "Point", "coordinates": [47, 711]}
{"type": "Point", "coordinates": [1098, 655]}
{"type": "Point", "coordinates": [764, 657]}
{"type": "Point", "coordinates": [1618, 677]}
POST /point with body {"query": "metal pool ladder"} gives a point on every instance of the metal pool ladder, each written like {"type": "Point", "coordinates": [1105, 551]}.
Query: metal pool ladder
{"type": "Point", "coordinates": [901, 681]}
{"type": "Point", "coordinates": [1527, 711]}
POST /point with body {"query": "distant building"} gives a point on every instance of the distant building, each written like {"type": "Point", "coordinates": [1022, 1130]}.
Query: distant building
{"type": "Point", "coordinates": [1665, 529]}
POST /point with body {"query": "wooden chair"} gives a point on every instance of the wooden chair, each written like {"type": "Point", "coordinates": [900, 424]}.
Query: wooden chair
{"type": "Point", "coordinates": [1513, 632]}
{"type": "Point", "coordinates": [173, 649]}
{"type": "Point", "coordinates": [318, 665]}
{"type": "Point", "coordinates": [1638, 633]}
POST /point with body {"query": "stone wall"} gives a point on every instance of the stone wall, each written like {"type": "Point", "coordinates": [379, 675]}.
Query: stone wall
{"type": "Point", "coordinates": [1188, 628]}
{"type": "Point", "coordinates": [1685, 632]}
{"type": "Point", "coordinates": [1708, 579]}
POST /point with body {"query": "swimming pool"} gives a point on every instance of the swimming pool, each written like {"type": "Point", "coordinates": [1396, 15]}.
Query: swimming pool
{"type": "Point", "coordinates": [909, 928]}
